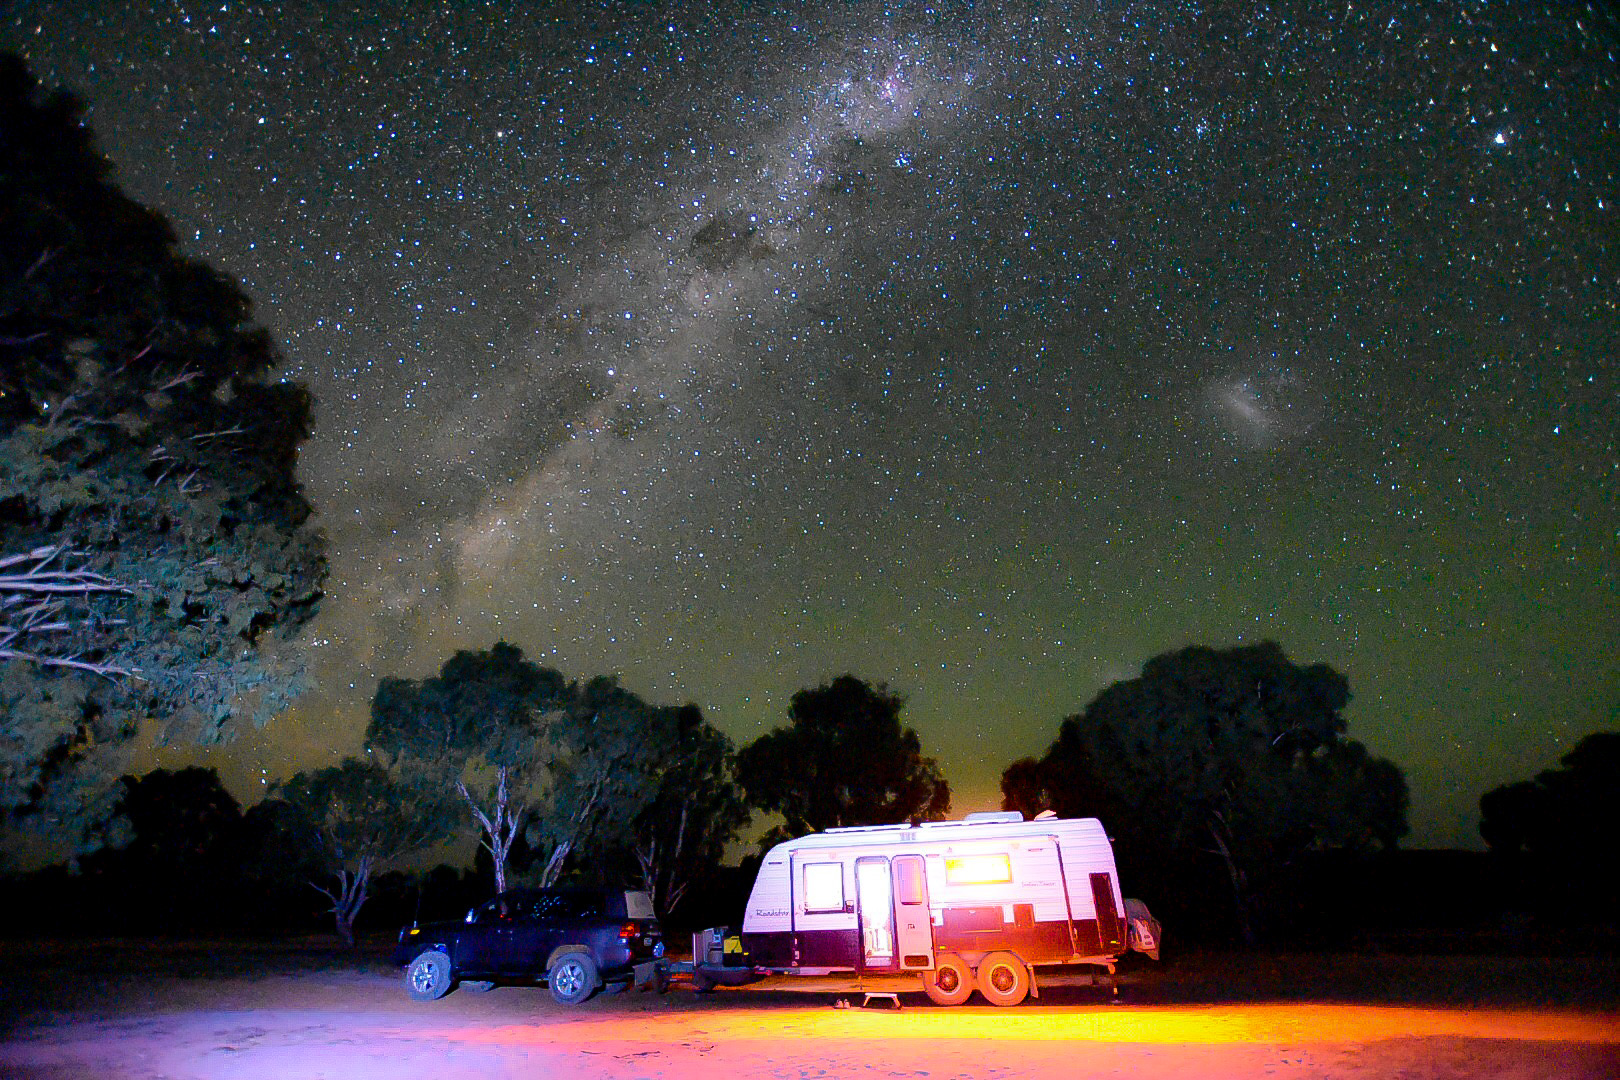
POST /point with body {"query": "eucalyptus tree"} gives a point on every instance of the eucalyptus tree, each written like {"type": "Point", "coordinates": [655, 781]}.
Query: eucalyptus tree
{"type": "Point", "coordinates": [1236, 758]}
{"type": "Point", "coordinates": [157, 556]}
{"type": "Point", "coordinates": [482, 728]}
{"type": "Point", "coordinates": [607, 758]}
{"type": "Point", "coordinates": [356, 817]}
{"type": "Point", "coordinates": [844, 759]}
{"type": "Point", "coordinates": [697, 809]}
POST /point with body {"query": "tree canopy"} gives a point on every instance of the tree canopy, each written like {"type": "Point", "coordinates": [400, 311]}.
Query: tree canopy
{"type": "Point", "coordinates": [608, 756]}
{"type": "Point", "coordinates": [697, 809]}
{"type": "Point", "coordinates": [843, 759]}
{"type": "Point", "coordinates": [564, 765]}
{"type": "Point", "coordinates": [175, 851]}
{"type": "Point", "coordinates": [479, 728]}
{"type": "Point", "coordinates": [1555, 826]}
{"type": "Point", "coordinates": [156, 551]}
{"type": "Point", "coordinates": [1235, 758]}
{"type": "Point", "coordinates": [356, 817]}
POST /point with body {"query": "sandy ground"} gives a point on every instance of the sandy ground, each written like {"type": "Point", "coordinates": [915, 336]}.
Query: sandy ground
{"type": "Point", "coordinates": [273, 1011]}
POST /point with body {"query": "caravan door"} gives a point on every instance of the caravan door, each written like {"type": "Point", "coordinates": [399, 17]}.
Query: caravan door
{"type": "Point", "coordinates": [913, 926]}
{"type": "Point", "coordinates": [874, 898]}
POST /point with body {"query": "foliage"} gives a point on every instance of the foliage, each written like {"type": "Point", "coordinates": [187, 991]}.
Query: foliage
{"type": "Point", "coordinates": [174, 849]}
{"type": "Point", "coordinates": [566, 766]}
{"type": "Point", "coordinates": [1555, 829]}
{"type": "Point", "coordinates": [478, 728]}
{"type": "Point", "coordinates": [607, 756]}
{"type": "Point", "coordinates": [156, 553]}
{"type": "Point", "coordinates": [355, 816]}
{"type": "Point", "coordinates": [844, 759]}
{"type": "Point", "coordinates": [1236, 755]}
{"type": "Point", "coordinates": [697, 810]}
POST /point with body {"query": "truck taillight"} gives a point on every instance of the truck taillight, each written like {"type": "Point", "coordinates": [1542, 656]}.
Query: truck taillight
{"type": "Point", "coordinates": [628, 931]}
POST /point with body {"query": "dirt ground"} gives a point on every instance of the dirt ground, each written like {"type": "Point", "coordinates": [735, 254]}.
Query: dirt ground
{"type": "Point", "coordinates": [229, 1010]}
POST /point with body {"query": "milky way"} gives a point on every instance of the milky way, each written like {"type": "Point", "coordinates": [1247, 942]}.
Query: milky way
{"type": "Point", "coordinates": [984, 350]}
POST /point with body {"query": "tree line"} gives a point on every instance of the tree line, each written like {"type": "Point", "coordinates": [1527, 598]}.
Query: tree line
{"type": "Point", "coordinates": [1239, 807]}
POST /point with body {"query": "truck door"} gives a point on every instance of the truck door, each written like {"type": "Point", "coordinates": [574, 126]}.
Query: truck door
{"type": "Point", "coordinates": [874, 900]}
{"type": "Point", "coordinates": [913, 927]}
{"type": "Point", "coordinates": [538, 928]}
{"type": "Point", "coordinates": [483, 946]}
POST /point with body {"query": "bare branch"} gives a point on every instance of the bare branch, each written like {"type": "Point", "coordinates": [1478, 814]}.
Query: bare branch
{"type": "Point", "coordinates": [108, 670]}
{"type": "Point", "coordinates": [46, 553]}
{"type": "Point", "coordinates": [209, 436]}
{"type": "Point", "coordinates": [44, 257]}
{"type": "Point", "coordinates": [186, 374]}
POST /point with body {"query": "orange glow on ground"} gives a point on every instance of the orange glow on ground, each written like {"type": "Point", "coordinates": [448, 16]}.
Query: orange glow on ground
{"type": "Point", "coordinates": [1181, 1025]}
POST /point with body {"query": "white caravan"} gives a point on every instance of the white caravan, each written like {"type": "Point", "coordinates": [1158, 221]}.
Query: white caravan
{"type": "Point", "coordinates": [963, 905]}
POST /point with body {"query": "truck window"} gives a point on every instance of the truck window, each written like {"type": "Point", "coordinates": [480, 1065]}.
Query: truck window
{"type": "Point", "coordinates": [978, 870]}
{"type": "Point", "coordinates": [824, 886]}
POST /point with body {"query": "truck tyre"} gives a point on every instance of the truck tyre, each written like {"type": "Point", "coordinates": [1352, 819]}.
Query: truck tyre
{"type": "Point", "coordinates": [428, 976]}
{"type": "Point", "coordinates": [572, 978]}
{"type": "Point", "coordinates": [1003, 979]}
{"type": "Point", "coordinates": [950, 983]}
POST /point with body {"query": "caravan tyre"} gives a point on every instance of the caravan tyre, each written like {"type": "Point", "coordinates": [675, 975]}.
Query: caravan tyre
{"type": "Point", "coordinates": [950, 983]}
{"type": "Point", "coordinates": [1003, 979]}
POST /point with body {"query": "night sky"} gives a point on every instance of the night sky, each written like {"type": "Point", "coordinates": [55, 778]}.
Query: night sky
{"type": "Point", "coordinates": [986, 350]}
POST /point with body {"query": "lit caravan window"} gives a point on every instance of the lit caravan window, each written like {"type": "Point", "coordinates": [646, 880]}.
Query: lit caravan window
{"type": "Point", "coordinates": [824, 886]}
{"type": "Point", "coordinates": [978, 870]}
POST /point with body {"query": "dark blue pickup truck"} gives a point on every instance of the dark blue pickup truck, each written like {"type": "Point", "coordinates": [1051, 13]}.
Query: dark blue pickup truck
{"type": "Point", "coordinates": [573, 940]}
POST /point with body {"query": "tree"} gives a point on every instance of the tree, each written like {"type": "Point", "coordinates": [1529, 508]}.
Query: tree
{"type": "Point", "coordinates": [1545, 827]}
{"type": "Point", "coordinates": [173, 852]}
{"type": "Point", "coordinates": [844, 759]}
{"type": "Point", "coordinates": [356, 816]}
{"type": "Point", "coordinates": [1237, 755]}
{"type": "Point", "coordinates": [562, 765]}
{"type": "Point", "coordinates": [481, 729]}
{"type": "Point", "coordinates": [606, 759]}
{"type": "Point", "coordinates": [697, 810]}
{"type": "Point", "coordinates": [156, 553]}
{"type": "Point", "coordinates": [1023, 787]}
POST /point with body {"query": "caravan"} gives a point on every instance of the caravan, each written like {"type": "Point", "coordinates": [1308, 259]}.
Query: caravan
{"type": "Point", "coordinates": [961, 905]}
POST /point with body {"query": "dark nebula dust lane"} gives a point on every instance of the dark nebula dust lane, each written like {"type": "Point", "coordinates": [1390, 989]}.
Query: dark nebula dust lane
{"type": "Point", "coordinates": [987, 350]}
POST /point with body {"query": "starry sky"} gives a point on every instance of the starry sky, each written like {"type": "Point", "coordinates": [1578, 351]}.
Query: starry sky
{"type": "Point", "coordinates": [983, 349]}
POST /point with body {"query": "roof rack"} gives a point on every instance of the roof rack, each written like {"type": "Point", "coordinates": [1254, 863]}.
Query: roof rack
{"type": "Point", "coordinates": [980, 817]}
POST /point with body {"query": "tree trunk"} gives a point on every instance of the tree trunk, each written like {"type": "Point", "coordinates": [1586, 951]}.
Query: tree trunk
{"type": "Point", "coordinates": [554, 865]}
{"type": "Point", "coordinates": [348, 897]}
{"type": "Point", "coordinates": [499, 831]}
{"type": "Point", "coordinates": [1240, 891]}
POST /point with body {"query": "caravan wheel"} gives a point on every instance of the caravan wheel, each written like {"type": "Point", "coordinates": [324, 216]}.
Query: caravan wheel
{"type": "Point", "coordinates": [1003, 979]}
{"type": "Point", "coordinates": [950, 983]}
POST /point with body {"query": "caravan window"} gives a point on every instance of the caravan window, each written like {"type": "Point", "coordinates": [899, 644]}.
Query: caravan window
{"type": "Point", "coordinates": [908, 879]}
{"type": "Point", "coordinates": [978, 870]}
{"type": "Point", "coordinates": [824, 886]}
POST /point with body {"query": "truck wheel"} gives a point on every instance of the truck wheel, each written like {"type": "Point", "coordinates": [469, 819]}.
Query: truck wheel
{"type": "Point", "coordinates": [1003, 979]}
{"type": "Point", "coordinates": [572, 978]}
{"type": "Point", "coordinates": [428, 977]}
{"type": "Point", "coordinates": [950, 983]}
